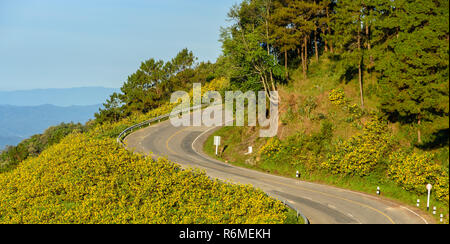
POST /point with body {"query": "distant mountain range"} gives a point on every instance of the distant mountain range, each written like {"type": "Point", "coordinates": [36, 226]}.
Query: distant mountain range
{"type": "Point", "coordinates": [26, 113]}
{"type": "Point", "coordinates": [59, 97]}
{"type": "Point", "coordinates": [18, 123]}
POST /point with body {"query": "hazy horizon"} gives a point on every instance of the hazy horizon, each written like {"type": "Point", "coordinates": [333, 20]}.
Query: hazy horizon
{"type": "Point", "coordinates": [62, 97]}
{"type": "Point", "coordinates": [66, 44]}
{"type": "Point", "coordinates": [58, 88]}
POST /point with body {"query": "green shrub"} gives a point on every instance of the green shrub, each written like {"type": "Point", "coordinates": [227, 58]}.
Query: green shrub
{"type": "Point", "coordinates": [308, 106]}
{"type": "Point", "coordinates": [414, 171]}
{"type": "Point", "coordinates": [36, 144]}
{"type": "Point", "coordinates": [361, 153]}
{"type": "Point", "coordinates": [272, 147]}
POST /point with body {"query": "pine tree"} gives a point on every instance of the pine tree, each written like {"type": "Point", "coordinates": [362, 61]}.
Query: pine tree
{"type": "Point", "coordinates": [303, 18]}
{"type": "Point", "coordinates": [414, 66]}
{"type": "Point", "coordinates": [348, 37]}
{"type": "Point", "coordinates": [283, 35]}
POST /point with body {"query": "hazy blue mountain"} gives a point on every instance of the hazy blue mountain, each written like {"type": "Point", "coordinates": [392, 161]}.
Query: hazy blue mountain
{"type": "Point", "coordinates": [20, 122]}
{"type": "Point", "coordinates": [59, 97]}
{"type": "Point", "coordinates": [9, 140]}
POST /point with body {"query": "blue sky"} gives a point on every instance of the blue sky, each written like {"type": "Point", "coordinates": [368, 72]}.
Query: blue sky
{"type": "Point", "coordinates": [79, 43]}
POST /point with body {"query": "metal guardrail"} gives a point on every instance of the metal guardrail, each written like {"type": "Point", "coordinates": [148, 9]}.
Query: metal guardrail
{"type": "Point", "coordinates": [166, 116]}
{"type": "Point", "coordinates": [299, 213]}
{"type": "Point", "coordinates": [149, 122]}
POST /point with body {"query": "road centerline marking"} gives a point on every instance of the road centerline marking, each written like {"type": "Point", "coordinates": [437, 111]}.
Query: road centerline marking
{"type": "Point", "coordinates": [170, 139]}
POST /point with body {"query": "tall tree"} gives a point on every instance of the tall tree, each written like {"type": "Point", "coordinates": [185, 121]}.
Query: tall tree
{"type": "Point", "coordinates": [302, 14]}
{"type": "Point", "coordinates": [283, 35]}
{"type": "Point", "coordinates": [325, 23]}
{"type": "Point", "coordinates": [414, 65]}
{"type": "Point", "coordinates": [348, 37]}
{"type": "Point", "coordinates": [243, 44]}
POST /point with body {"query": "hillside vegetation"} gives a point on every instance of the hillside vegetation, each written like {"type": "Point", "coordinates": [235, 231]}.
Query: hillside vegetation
{"type": "Point", "coordinates": [363, 92]}
{"type": "Point", "coordinates": [364, 102]}
{"type": "Point", "coordinates": [81, 175]}
{"type": "Point", "coordinates": [87, 180]}
{"type": "Point", "coordinates": [328, 138]}
{"type": "Point", "coordinates": [36, 144]}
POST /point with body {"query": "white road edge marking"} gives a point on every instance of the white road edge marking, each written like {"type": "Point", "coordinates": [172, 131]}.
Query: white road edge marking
{"type": "Point", "coordinates": [332, 206]}
{"type": "Point", "coordinates": [206, 131]}
{"type": "Point", "coordinates": [193, 148]}
{"type": "Point", "coordinates": [353, 217]}
{"type": "Point", "coordinates": [210, 129]}
{"type": "Point", "coordinates": [424, 220]}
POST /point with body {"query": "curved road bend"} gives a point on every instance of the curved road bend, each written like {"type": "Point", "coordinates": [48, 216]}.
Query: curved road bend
{"type": "Point", "coordinates": [320, 203]}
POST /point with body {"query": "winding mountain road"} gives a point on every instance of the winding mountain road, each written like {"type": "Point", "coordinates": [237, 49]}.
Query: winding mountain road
{"type": "Point", "coordinates": [320, 203]}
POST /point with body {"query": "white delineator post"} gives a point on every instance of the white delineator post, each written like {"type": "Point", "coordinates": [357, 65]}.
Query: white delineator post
{"type": "Point", "coordinates": [429, 187]}
{"type": "Point", "coordinates": [217, 144]}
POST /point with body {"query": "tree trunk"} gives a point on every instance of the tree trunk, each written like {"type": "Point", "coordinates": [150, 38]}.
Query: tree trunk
{"type": "Point", "coordinates": [315, 46]}
{"type": "Point", "coordinates": [267, 33]}
{"type": "Point", "coordinates": [301, 54]}
{"type": "Point", "coordinates": [329, 31]}
{"type": "Point", "coordinates": [368, 36]}
{"type": "Point", "coordinates": [360, 69]}
{"type": "Point", "coordinates": [361, 85]}
{"type": "Point", "coordinates": [369, 46]}
{"type": "Point", "coordinates": [286, 64]}
{"type": "Point", "coordinates": [305, 56]}
{"type": "Point", "coordinates": [331, 47]}
{"type": "Point", "coordinates": [419, 132]}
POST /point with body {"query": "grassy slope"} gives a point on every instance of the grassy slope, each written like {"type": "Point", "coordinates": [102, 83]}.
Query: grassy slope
{"type": "Point", "coordinates": [295, 120]}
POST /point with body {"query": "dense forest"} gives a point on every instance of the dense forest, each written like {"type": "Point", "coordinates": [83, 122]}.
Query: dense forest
{"type": "Point", "coordinates": [404, 44]}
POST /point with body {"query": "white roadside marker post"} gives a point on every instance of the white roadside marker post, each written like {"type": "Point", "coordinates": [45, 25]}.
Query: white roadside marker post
{"type": "Point", "coordinates": [429, 187]}
{"type": "Point", "coordinates": [418, 202]}
{"type": "Point", "coordinates": [442, 218]}
{"type": "Point", "coordinates": [217, 144]}
{"type": "Point", "coordinates": [250, 151]}
{"type": "Point", "coordinates": [434, 210]}
{"type": "Point", "coordinates": [297, 174]}
{"type": "Point", "coordinates": [378, 191]}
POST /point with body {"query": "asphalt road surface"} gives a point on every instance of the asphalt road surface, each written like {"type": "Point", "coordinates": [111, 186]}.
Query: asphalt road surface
{"type": "Point", "coordinates": [321, 204]}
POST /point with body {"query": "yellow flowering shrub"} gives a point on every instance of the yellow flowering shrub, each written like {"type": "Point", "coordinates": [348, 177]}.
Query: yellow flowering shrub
{"type": "Point", "coordinates": [217, 84]}
{"type": "Point", "coordinates": [361, 153]}
{"type": "Point", "coordinates": [113, 129]}
{"type": "Point", "coordinates": [337, 97]}
{"type": "Point", "coordinates": [88, 180]}
{"type": "Point", "coordinates": [414, 171]}
{"type": "Point", "coordinates": [272, 146]}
